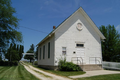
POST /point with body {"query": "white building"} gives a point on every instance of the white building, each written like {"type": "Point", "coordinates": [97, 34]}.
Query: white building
{"type": "Point", "coordinates": [77, 38]}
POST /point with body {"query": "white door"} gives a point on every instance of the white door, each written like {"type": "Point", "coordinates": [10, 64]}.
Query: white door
{"type": "Point", "coordinates": [81, 53]}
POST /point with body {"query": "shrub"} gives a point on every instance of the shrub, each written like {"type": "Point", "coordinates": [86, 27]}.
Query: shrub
{"type": "Point", "coordinates": [0, 58]}
{"type": "Point", "coordinates": [1, 63]}
{"type": "Point", "coordinates": [36, 63]}
{"type": "Point", "coordinates": [7, 63]}
{"type": "Point", "coordinates": [15, 63]}
{"type": "Point", "coordinates": [67, 66]}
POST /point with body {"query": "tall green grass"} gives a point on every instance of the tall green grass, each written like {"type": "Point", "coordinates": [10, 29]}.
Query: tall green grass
{"type": "Point", "coordinates": [15, 73]}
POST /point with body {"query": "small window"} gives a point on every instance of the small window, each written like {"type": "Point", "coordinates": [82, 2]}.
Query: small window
{"type": "Point", "coordinates": [63, 50]}
{"type": "Point", "coordinates": [49, 50]}
{"type": "Point", "coordinates": [79, 45]}
{"type": "Point", "coordinates": [43, 52]}
{"type": "Point", "coordinates": [40, 53]}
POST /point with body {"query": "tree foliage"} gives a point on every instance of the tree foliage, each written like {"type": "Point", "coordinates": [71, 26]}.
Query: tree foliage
{"type": "Point", "coordinates": [21, 50]}
{"type": "Point", "coordinates": [36, 53]}
{"type": "Point", "coordinates": [0, 58]}
{"type": "Point", "coordinates": [111, 45]}
{"type": "Point", "coordinates": [31, 50]}
{"type": "Point", "coordinates": [14, 53]}
{"type": "Point", "coordinates": [8, 25]}
{"type": "Point", "coordinates": [29, 57]}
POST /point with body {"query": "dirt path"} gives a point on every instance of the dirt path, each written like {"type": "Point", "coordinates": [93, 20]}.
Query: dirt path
{"type": "Point", "coordinates": [39, 76]}
{"type": "Point", "coordinates": [42, 75]}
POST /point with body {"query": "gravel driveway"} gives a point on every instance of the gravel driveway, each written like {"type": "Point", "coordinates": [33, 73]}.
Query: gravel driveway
{"type": "Point", "coordinates": [42, 75]}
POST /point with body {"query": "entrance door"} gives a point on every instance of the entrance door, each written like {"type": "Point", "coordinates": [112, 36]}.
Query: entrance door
{"type": "Point", "coordinates": [81, 53]}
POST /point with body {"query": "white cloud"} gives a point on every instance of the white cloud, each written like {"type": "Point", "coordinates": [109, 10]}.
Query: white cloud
{"type": "Point", "coordinates": [47, 2]}
{"type": "Point", "coordinates": [60, 8]}
{"type": "Point", "coordinates": [118, 28]}
{"type": "Point", "coordinates": [41, 8]}
{"type": "Point", "coordinates": [109, 9]}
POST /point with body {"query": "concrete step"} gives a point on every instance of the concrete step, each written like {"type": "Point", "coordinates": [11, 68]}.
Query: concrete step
{"type": "Point", "coordinates": [91, 67]}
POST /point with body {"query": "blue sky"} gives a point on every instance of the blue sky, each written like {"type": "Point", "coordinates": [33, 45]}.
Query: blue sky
{"type": "Point", "coordinates": [42, 15]}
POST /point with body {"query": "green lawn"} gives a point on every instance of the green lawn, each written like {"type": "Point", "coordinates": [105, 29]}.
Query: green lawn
{"type": "Point", "coordinates": [66, 74]}
{"type": "Point", "coordinates": [61, 73]}
{"type": "Point", "coordinates": [102, 77]}
{"type": "Point", "coordinates": [15, 73]}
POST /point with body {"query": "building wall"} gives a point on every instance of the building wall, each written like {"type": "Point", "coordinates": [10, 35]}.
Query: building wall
{"type": "Point", "coordinates": [46, 60]}
{"type": "Point", "coordinates": [67, 36]}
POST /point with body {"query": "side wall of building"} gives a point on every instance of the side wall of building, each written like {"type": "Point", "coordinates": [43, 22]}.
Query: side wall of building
{"type": "Point", "coordinates": [68, 36]}
{"type": "Point", "coordinates": [46, 60]}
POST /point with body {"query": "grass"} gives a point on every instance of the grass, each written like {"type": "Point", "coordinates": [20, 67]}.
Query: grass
{"type": "Point", "coordinates": [28, 63]}
{"type": "Point", "coordinates": [66, 73]}
{"type": "Point", "coordinates": [15, 73]}
{"type": "Point", "coordinates": [61, 73]}
{"type": "Point", "coordinates": [102, 77]}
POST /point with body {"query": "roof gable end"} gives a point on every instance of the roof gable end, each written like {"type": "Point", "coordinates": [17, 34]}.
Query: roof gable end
{"type": "Point", "coordinates": [88, 19]}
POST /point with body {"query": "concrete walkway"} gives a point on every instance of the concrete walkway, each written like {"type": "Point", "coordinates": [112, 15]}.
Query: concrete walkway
{"type": "Point", "coordinates": [42, 75]}
{"type": "Point", "coordinates": [95, 73]}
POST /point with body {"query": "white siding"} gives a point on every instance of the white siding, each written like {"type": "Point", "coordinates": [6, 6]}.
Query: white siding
{"type": "Point", "coordinates": [46, 61]}
{"type": "Point", "coordinates": [67, 35]}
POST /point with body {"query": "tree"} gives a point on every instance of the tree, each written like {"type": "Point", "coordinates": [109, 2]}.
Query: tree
{"type": "Point", "coordinates": [13, 53]}
{"type": "Point", "coordinates": [111, 46]}
{"type": "Point", "coordinates": [21, 50]}
{"type": "Point", "coordinates": [8, 25]}
{"type": "Point", "coordinates": [31, 56]}
{"type": "Point", "coordinates": [36, 53]}
{"type": "Point", "coordinates": [31, 50]}
{"type": "Point", "coordinates": [0, 58]}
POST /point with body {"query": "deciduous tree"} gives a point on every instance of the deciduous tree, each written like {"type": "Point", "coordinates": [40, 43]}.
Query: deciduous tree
{"type": "Point", "coordinates": [14, 53]}
{"type": "Point", "coordinates": [8, 25]}
{"type": "Point", "coordinates": [31, 50]}
{"type": "Point", "coordinates": [36, 53]}
{"type": "Point", "coordinates": [21, 50]}
{"type": "Point", "coordinates": [111, 46]}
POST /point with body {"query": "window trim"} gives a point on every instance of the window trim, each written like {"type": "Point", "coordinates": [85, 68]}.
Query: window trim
{"type": "Point", "coordinates": [79, 42]}
{"type": "Point", "coordinates": [79, 45]}
{"type": "Point", "coordinates": [64, 51]}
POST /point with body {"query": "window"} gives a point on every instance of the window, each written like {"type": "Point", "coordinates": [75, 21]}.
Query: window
{"type": "Point", "coordinates": [49, 50]}
{"type": "Point", "coordinates": [40, 53]}
{"type": "Point", "coordinates": [43, 52]}
{"type": "Point", "coordinates": [79, 45]}
{"type": "Point", "coordinates": [63, 50]}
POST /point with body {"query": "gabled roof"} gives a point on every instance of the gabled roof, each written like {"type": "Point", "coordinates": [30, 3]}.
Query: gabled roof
{"type": "Point", "coordinates": [85, 15]}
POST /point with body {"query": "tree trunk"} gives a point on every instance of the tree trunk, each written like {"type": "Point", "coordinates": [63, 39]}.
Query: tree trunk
{"type": "Point", "coordinates": [30, 60]}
